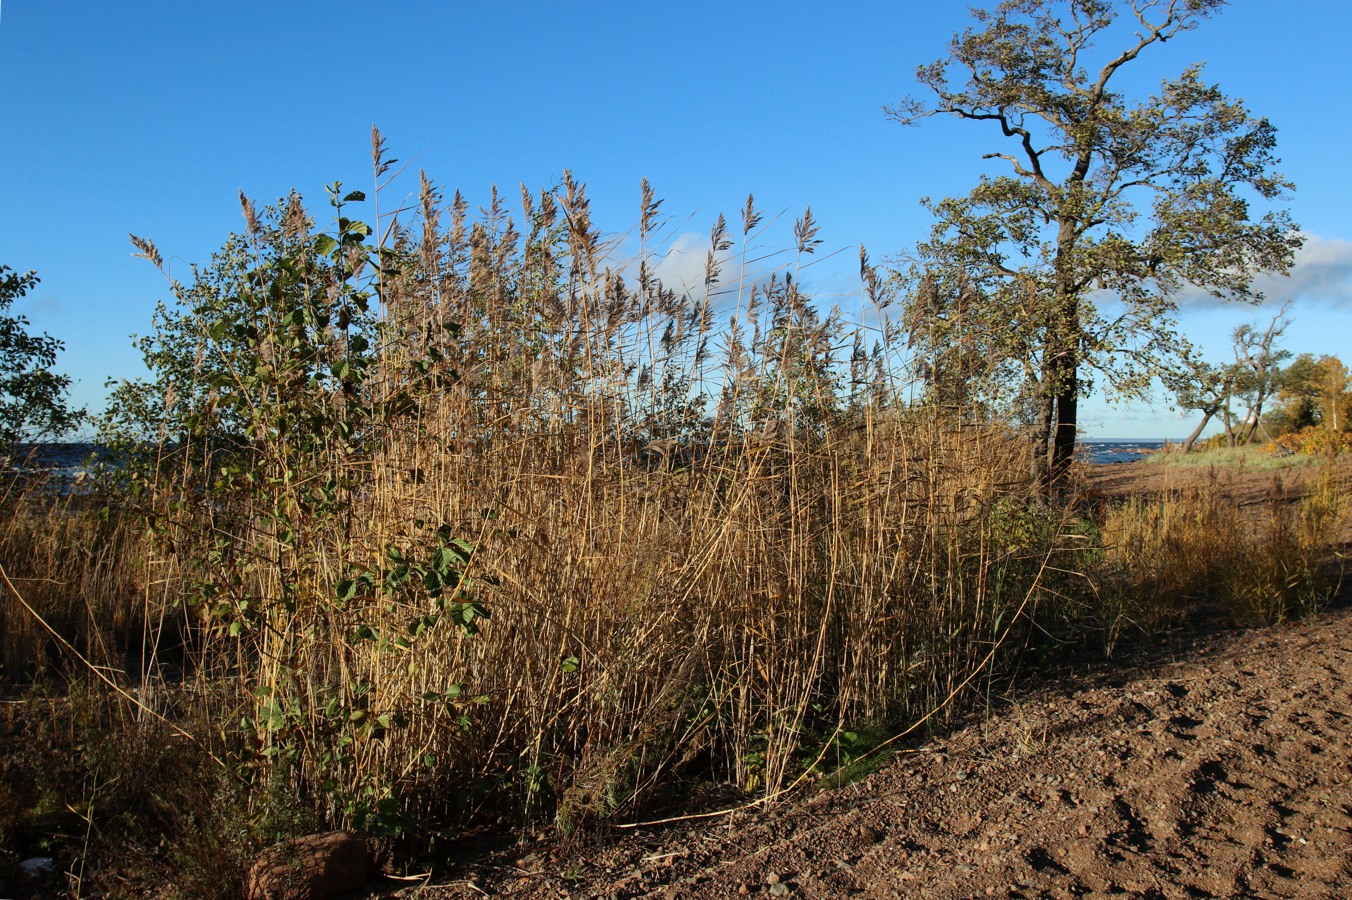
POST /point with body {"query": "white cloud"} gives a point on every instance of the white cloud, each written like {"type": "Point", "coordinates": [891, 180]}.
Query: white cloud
{"type": "Point", "coordinates": [680, 263]}
{"type": "Point", "coordinates": [685, 257]}
{"type": "Point", "coordinates": [681, 267]}
{"type": "Point", "coordinates": [1322, 274]}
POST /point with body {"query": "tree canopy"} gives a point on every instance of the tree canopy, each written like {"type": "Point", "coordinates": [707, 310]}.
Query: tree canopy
{"type": "Point", "coordinates": [34, 400]}
{"type": "Point", "coordinates": [1110, 205]}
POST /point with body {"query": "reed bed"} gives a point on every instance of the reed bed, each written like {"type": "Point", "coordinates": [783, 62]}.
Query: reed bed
{"type": "Point", "coordinates": [557, 540]}
{"type": "Point", "coordinates": [446, 521]}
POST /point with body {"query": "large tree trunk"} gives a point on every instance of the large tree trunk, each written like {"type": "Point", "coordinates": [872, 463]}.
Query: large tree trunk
{"type": "Point", "coordinates": [1042, 438]}
{"type": "Point", "coordinates": [1065, 363]}
{"type": "Point", "coordinates": [1067, 415]}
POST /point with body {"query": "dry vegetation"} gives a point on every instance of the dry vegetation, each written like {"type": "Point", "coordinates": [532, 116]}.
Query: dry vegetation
{"type": "Point", "coordinates": [1244, 545]}
{"type": "Point", "coordinates": [485, 528]}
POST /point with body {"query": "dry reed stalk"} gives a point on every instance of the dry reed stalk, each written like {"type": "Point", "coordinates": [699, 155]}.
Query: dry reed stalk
{"type": "Point", "coordinates": [703, 551]}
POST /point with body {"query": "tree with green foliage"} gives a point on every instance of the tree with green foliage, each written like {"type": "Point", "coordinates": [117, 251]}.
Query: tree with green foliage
{"type": "Point", "coordinates": [278, 375]}
{"type": "Point", "coordinates": [270, 325]}
{"type": "Point", "coordinates": [1335, 394]}
{"type": "Point", "coordinates": [1313, 392]}
{"type": "Point", "coordinates": [1203, 387]}
{"type": "Point", "coordinates": [1298, 395]}
{"type": "Point", "coordinates": [1112, 204]}
{"type": "Point", "coordinates": [34, 401]}
{"type": "Point", "coordinates": [1257, 373]}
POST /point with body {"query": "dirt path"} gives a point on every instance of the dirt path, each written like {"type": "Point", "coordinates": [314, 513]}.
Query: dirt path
{"type": "Point", "coordinates": [1223, 771]}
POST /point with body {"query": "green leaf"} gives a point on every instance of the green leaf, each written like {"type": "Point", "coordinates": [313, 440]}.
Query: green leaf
{"type": "Point", "coordinates": [354, 197]}
{"type": "Point", "coordinates": [346, 590]}
{"type": "Point", "coordinates": [443, 559]}
{"type": "Point", "coordinates": [418, 626]}
{"type": "Point", "coordinates": [324, 245]}
{"type": "Point", "coordinates": [274, 717]}
{"type": "Point", "coordinates": [466, 615]}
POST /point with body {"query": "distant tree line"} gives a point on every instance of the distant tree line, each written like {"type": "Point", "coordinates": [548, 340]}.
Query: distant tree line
{"type": "Point", "coordinates": [1265, 394]}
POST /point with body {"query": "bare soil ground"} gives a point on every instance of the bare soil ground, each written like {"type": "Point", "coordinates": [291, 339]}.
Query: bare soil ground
{"type": "Point", "coordinates": [1215, 766]}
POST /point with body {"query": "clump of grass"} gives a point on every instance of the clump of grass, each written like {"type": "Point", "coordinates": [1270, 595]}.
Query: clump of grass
{"type": "Point", "coordinates": [119, 799]}
{"type": "Point", "coordinates": [1285, 572]}
{"type": "Point", "coordinates": [1165, 555]}
{"type": "Point", "coordinates": [539, 536]}
{"type": "Point", "coordinates": [79, 568]}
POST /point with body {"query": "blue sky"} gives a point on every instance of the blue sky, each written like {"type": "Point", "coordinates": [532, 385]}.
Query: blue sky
{"type": "Point", "coordinates": [149, 117]}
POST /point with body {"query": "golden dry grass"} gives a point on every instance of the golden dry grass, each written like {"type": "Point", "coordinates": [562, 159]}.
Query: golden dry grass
{"type": "Point", "coordinates": [561, 541]}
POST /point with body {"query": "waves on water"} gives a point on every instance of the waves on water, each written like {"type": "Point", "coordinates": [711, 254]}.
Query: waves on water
{"type": "Point", "coordinates": [68, 466]}
{"type": "Point", "coordinates": [1117, 450]}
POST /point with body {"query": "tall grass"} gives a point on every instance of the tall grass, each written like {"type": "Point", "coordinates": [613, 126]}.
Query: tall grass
{"type": "Point", "coordinates": [540, 539]}
{"type": "Point", "coordinates": [444, 521]}
{"type": "Point", "coordinates": [1195, 550]}
{"type": "Point", "coordinates": [83, 575]}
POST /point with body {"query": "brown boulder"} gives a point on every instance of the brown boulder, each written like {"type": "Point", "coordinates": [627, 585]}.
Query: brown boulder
{"type": "Point", "coordinates": [314, 867]}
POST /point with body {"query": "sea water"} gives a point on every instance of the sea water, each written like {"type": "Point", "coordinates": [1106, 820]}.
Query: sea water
{"type": "Point", "coordinates": [1117, 450]}
{"type": "Point", "coordinates": [69, 466]}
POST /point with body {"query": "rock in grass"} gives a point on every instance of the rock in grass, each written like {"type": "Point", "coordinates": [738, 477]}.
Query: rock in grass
{"type": "Point", "coordinates": [314, 867]}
